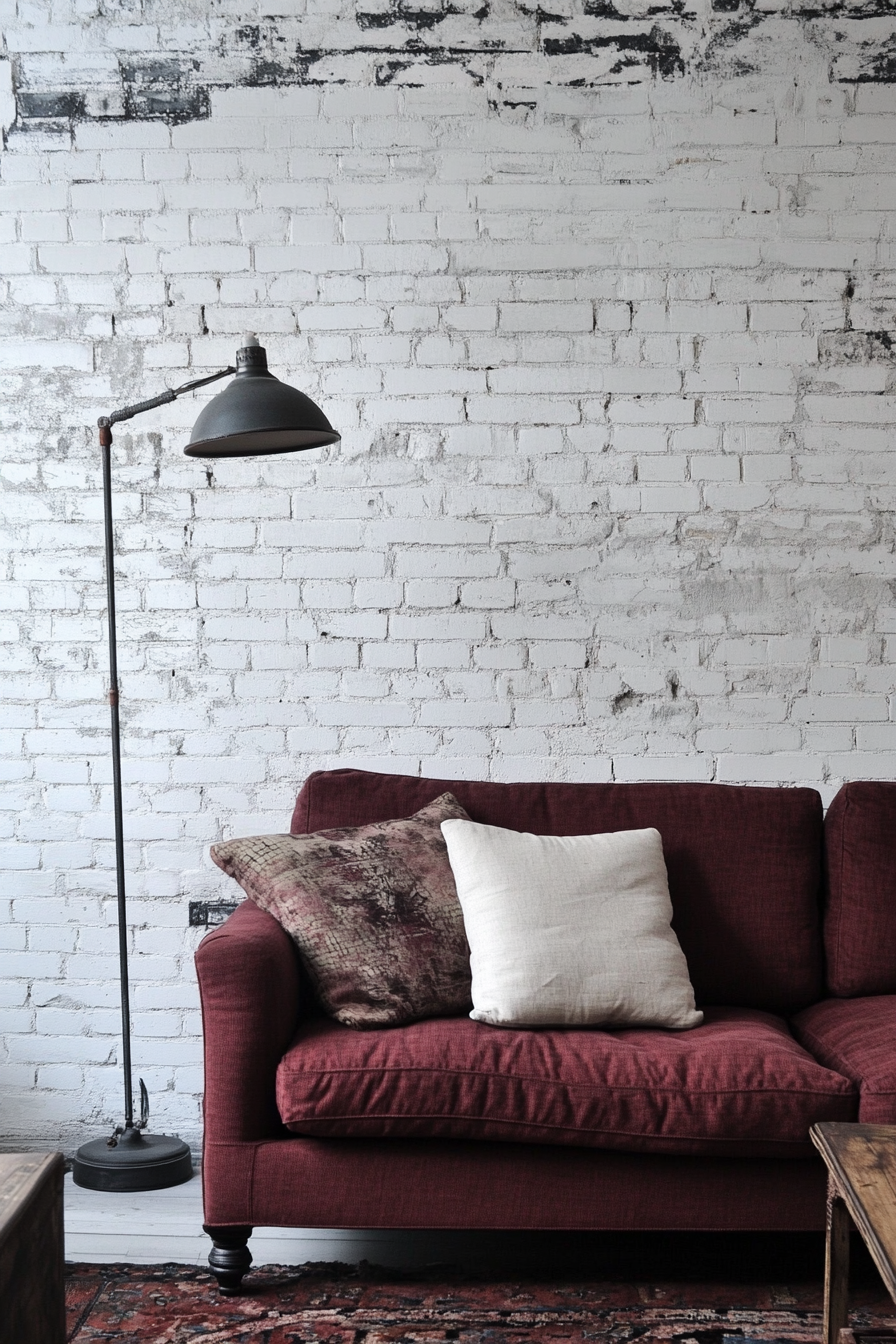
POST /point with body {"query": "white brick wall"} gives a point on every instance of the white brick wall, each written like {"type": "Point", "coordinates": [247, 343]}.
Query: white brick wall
{"type": "Point", "coordinates": [614, 370]}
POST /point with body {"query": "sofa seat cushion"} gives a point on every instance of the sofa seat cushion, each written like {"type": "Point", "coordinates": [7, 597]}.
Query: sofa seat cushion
{"type": "Point", "coordinates": [855, 1037]}
{"type": "Point", "coordinates": [739, 1085]}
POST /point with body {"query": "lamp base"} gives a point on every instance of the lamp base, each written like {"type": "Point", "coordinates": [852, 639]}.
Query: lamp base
{"type": "Point", "coordinates": [137, 1162]}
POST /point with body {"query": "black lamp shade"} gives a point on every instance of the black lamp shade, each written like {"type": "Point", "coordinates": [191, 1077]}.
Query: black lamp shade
{"type": "Point", "coordinates": [257, 414]}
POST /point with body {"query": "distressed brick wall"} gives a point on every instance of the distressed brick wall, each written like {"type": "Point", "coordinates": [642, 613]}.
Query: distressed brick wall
{"type": "Point", "coordinates": [602, 301]}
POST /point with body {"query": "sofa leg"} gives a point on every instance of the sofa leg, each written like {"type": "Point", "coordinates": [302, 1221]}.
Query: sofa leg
{"type": "Point", "coordinates": [229, 1257]}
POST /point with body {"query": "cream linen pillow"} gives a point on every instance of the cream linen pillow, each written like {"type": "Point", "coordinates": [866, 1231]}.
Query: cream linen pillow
{"type": "Point", "coordinates": [569, 930]}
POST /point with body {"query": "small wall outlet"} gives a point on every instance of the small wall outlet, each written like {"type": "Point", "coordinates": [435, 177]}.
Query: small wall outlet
{"type": "Point", "coordinates": [208, 914]}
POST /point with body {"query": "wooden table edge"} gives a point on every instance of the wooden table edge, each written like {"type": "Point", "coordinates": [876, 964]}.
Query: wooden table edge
{"type": "Point", "coordinates": [839, 1185]}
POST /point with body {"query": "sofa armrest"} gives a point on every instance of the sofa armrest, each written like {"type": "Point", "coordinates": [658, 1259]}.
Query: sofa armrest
{"type": "Point", "coordinates": [251, 991]}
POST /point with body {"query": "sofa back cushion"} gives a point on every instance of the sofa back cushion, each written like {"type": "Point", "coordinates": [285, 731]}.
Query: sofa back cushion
{"type": "Point", "coordinates": [744, 863]}
{"type": "Point", "coordinates": [860, 907]}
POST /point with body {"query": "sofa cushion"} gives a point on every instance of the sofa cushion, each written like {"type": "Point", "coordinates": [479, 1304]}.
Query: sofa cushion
{"type": "Point", "coordinates": [744, 863]}
{"type": "Point", "coordinates": [738, 1085]}
{"type": "Point", "coordinates": [856, 1037]}
{"type": "Point", "coordinates": [860, 907]}
{"type": "Point", "coordinates": [372, 909]}
{"type": "Point", "coordinates": [569, 930]}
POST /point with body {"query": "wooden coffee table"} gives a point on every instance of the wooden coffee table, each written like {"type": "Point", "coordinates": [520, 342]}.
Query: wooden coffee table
{"type": "Point", "coordinates": [861, 1163]}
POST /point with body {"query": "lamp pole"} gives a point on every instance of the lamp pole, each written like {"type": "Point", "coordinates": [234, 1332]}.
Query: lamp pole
{"type": "Point", "coordinates": [106, 446]}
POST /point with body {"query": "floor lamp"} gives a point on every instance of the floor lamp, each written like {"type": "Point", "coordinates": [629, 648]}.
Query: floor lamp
{"type": "Point", "coordinates": [254, 416]}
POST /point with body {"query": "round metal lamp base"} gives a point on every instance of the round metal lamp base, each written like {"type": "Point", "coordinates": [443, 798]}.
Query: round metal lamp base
{"type": "Point", "coordinates": [137, 1162]}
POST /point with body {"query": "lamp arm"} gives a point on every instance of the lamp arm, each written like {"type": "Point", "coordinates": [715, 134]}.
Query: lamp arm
{"type": "Point", "coordinates": [170, 394]}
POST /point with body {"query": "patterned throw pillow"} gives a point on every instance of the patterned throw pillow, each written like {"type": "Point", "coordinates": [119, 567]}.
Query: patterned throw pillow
{"type": "Point", "coordinates": [373, 910]}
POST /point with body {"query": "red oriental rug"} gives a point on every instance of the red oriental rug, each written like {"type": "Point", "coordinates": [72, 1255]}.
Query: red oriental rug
{"type": "Point", "coordinates": [174, 1304]}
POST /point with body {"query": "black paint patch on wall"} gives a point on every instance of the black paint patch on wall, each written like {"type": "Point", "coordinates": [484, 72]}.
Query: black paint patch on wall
{"type": "Point", "coordinates": [51, 105]}
{"type": "Point", "coordinates": [602, 9]}
{"type": "Point", "coordinates": [857, 347]}
{"type": "Point", "coordinates": [605, 9]}
{"type": "Point", "coordinates": [657, 49]}
{"type": "Point", "coordinates": [389, 70]}
{"type": "Point", "coordinates": [879, 65]}
{"type": "Point", "coordinates": [846, 9]}
{"type": "Point", "coordinates": [418, 20]}
{"type": "Point", "coordinates": [164, 90]}
{"type": "Point", "coordinates": [728, 47]}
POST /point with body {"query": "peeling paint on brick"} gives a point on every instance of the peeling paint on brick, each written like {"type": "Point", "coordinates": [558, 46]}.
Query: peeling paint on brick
{"type": "Point", "coordinates": [163, 90]}
{"type": "Point", "coordinates": [868, 63]}
{"type": "Point", "coordinates": [67, 105]}
{"type": "Point", "coordinates": [656, 50]}
{"type": "Point", "coordinates": [665, 40]}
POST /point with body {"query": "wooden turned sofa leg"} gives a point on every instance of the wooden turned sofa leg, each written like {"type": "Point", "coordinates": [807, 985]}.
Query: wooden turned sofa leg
{"type": "Point", "coordinates": [229, 1257]}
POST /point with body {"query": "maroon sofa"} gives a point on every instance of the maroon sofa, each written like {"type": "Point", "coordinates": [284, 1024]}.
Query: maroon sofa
{"type": "Point", "coordinates": [788, 923]}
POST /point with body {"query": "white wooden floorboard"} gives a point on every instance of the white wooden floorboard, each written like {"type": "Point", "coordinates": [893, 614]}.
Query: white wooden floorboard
{"type": "Point", "coordinates": [162, 1226]}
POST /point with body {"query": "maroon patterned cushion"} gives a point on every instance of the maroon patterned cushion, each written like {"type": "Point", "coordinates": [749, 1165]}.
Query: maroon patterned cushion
{"type": "Point", "coordinates": [374, 912]}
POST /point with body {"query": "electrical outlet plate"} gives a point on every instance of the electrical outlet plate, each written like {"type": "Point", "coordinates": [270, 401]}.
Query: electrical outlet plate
{"type": "Point", "coordinates": [209, 914]}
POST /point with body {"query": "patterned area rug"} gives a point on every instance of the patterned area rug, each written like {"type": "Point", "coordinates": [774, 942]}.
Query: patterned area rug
{"type": "Point", "coordinates": [173, 1304]}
